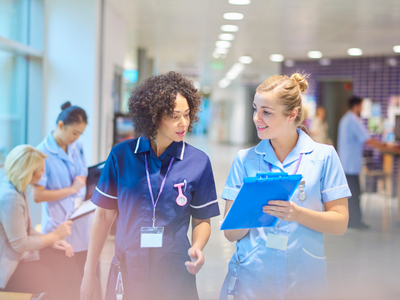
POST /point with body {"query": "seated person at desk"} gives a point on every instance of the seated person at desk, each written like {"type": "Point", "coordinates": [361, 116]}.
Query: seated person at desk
{"type": "Point", "coordinates": [31, 262]}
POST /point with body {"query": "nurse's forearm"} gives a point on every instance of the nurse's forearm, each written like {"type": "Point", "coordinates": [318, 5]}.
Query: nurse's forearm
{"type": "Point", "coordinates": [40, 194]}
{"type": "Point", "coordinates": [201, 233]}
{"type": "Point", "coordinates": [235, 234]}
{"type": "Point", "coordinates": [333, 220]}
{"type": "Point", "coordinates": [102, 222]}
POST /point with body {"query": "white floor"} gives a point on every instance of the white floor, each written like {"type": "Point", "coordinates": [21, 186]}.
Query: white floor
{"type": "Point", "coordinates": [362, 265]}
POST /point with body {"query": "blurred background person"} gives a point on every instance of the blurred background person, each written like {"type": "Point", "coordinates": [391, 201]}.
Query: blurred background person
{"type": "Point", "coordinates": [63, 185]}
{"type": "Point", "coordinates": [319, 127]}
{"type": "Point", "coordinates": [31, 262]}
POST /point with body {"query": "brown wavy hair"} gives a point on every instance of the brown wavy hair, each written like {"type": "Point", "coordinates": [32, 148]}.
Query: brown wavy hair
{"type": "Point", "coordinates": [154, 99]}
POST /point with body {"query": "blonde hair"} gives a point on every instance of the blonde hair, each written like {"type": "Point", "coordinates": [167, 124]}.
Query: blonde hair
{"type": "Point", "coordinates": [288, 90]}
{"type": "Point", "coordinates": [21, 163]}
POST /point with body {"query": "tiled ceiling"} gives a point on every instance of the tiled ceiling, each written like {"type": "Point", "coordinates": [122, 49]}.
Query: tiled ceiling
{"type": "Point", "coordinates": [184, 32]}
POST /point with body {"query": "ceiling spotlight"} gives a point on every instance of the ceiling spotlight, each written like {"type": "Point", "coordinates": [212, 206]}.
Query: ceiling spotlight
{"type": "Point", "coordinates": [233, 16]}
{"type": "Point", "coordinates": [289, 63]}
{"type": "Point", "coordinates": [314, 54]}
{"type": "Point", "coordinates": [354, 52]}
{"type": "Point", "coordinates": [245, 59]}
{"type": "Point", "coordinates": [226, 37]}
{"type": "Point", "coordinates": [239, 2]}
{"type": "Point", "coordinates": [221, 50]}
{"type": "Point", "coordinates": [229, 28]}
{"type": "Point", "coordinates": [223, 44]}
{"type": "Point", "coordinates": [396, 49]}
{"type": "Point", "coordinates": [223, 83]}
{"type": "Point", "coordinates": [276, 57]}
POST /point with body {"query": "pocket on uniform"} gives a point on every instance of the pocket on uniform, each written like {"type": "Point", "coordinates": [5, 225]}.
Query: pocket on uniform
{"type": "Point", "coordinates": [313, 255]}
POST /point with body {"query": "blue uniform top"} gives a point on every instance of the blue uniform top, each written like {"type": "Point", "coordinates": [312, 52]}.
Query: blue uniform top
{"type": "Point", "coordinates": [300, 269]}
{"type": "Point", "coordinates": [123, 186]}
{"type": "Point", "coordinates": [60, 170]}
{"type": "Point", "coordinates": [352, 136]}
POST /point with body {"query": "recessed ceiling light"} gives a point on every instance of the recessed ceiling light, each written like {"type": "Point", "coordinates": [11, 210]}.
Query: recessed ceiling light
{"type": "Point", "coordinates": [246, 59]}
{"type": "Point", "coordinates": [396, 49]}
{"type": "Point", "coordinates": [223, 44]}
{"type": "Point", "coordinates": [354, 52]}
{"type": "Point", "coordinates": [238, 66]}
{"type": "Point", "coordinates": [221, 50]}
{"type": "Point", "coordinates": [276, 57]}
{"type": "Point", "coordinates": [226, 37]}
{"type": "Point", "coordinates": [314, 54]}
{"type": "Point", "coordinates": [229, 28]}
{"type": "Point", "coordinates": [224, 82]}
{"type": "Point", "coordinates": [289, 63]}
{"type": "Point", "coordinates": [240, 2]}
{"type": "Point", "coordinates": [231, 75]}
{"type": "Point", "coordinates": [325, 62]}
{"type": "Point", "coordinates": [233, 16]}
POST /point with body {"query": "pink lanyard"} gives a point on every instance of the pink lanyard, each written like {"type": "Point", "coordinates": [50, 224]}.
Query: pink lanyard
{"type": "Point", "coordinates": [161, 188]}
{"type": "Point", "coordinates": [297, 166]}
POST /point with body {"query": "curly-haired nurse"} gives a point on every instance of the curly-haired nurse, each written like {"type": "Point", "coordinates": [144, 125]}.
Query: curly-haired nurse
{"type": "Point", "coordinates": [153, 185]}
{"type": "Point", "coordinates": [286, 261]}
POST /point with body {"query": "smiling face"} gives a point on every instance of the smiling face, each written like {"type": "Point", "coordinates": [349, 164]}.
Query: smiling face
{"type": "Point", "coordinates": [173, 128]}
{"type": "Point", "coordinates": [270, 118]}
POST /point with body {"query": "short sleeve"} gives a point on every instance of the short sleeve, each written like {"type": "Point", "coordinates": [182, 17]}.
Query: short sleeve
{"type": "Point", "coordinates": [333, 180]}
{"type": "Point", "coordinates": [204, 204]}
{"type": "Point", "coordinates": [235, 179]}
{"type": "Point", "coordinates": [106, 192]}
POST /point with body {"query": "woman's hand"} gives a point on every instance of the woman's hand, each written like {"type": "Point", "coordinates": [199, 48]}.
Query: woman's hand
{"type": "Point", "coordinates": [197, 260]}
{"type": "Point", "coordinates": [64, 229]}
{"type": "Point", "coordinates": [89, 287]}
{"type": "Point", "coordinates": [284, 210]}
{"type": "Point", "coordinates": [63, 245]}
{"type": "Point", "coordinates": [79, 182]}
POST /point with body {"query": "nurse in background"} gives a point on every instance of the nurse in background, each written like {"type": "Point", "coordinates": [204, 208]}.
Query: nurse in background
{"type": "Point", "coordinates": [286, 261]}
{"type": "Point", "coordinates": [63, 185]}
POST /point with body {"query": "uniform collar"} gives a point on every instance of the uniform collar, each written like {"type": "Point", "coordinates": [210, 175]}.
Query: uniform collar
{"type": "Point", "coordinates": [304, 145]}
{"type": "Point", "coordinates": [176, 149]}
{"type": "Point", "coordinates": [54, 148]}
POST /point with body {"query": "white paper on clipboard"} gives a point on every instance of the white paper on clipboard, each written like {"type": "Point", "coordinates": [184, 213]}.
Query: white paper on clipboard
{"type": "Point", "coordinates": [85, 208]}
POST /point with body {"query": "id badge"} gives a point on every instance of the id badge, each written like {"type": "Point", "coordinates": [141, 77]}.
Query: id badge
{"type": "Point", "coordinates": [31, 256]}
{"type": "Point", "coordinates": [232, 286]}
{"type": "Point", "coordinates": [151, 237]}
{"type": "Point", "coordinates": [275, 241]}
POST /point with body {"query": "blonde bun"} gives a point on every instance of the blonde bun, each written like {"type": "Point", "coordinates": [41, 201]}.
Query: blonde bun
{"type": "Point", "coordinates": [301, 81]}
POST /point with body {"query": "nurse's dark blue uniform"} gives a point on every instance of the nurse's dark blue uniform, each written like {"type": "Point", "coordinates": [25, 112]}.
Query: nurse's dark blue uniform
{"type": "Point", "coordinates": [155, 273]}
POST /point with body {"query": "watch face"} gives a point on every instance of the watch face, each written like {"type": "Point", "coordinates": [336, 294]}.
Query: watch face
{"type": "Point", "coordinates": [181, 201]}
{"type": "Point", "coordinates": [302, 197]}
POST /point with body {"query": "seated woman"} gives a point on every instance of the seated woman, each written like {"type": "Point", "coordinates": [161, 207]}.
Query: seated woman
{"type": "Point", "coordinates": [31, 262]}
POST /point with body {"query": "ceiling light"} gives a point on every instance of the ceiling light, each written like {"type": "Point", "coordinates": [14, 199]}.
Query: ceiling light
{"type": "Point", "coordinates": [246, 59]}
{"type": "Point", "coordinates": [232, 75]}
{"type": "Point", "coordinates": [229, 28]}
{"type": "Point", "coordinates": [325, 62]}
{"type": "Point", "coordinates": [221, 50]}
{"type": "Point", "coordinates": [289, 63]}
{"type": "Point", "coordinates": [226, 37]}
{"type": "Point", "coordinates": [354, 52]}
{"type": "Point", "coordinates": [223, 44]}
{"type": "Point", "coordinates": [276, 57]}
{"type": "Point", "coordinates": [314, 54]}
{"type": "Point", "coordinates": [233, 16]}
{"type": "Point", "coordinates": [396, 49]}
{"type": "Point", "coordinates": [237, 66]}
{"type": "Point", "coordinates": [239, 2]}
{"type": "Point", "coordinates": [223, 83]}
{"type": "Point", "coordinates": [216, 55]}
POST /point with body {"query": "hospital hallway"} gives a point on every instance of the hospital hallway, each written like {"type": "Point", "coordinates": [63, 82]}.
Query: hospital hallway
{"type": "Point", "coordinates": [362, 264]}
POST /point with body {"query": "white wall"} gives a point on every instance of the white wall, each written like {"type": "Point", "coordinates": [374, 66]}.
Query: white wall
{"type": "Point", "coordinates": [71, 64]}
{"type": "Point", "coordinates": [114, 49]}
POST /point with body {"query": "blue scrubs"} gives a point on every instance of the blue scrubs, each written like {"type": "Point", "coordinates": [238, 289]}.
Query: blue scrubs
{"type": "Point", "coordinates": [60, 170]}
{"type": "Point", "coordinates": [155, 273]}
{"type": "Point", "coordinates": [300, 271]}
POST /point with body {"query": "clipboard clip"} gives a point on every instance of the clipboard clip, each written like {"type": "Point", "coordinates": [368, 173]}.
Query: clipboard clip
{"type": "Point", "coordinates": [267, 175]}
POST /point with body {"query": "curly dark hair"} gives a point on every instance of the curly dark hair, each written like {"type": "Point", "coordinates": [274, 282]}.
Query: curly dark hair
{"type": "Point", "coordinates": [155, 98]}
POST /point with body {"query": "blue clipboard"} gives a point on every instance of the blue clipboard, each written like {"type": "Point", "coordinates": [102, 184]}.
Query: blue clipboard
{"type": "Point", "coordinates": [246, 211]}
